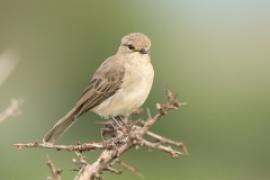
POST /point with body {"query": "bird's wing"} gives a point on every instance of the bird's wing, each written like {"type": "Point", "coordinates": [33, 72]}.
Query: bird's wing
{"type": "Point", "coordinates": [105, 83]}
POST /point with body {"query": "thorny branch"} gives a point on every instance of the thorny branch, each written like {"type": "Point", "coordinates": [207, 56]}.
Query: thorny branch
{"type": "Point", "coordinates": [121, 139]}
{"type": "Point", "coordinates": [78, 147]}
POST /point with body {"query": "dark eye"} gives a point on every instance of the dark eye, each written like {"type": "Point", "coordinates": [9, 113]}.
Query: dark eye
{"type": "Point", "coordinates": [131, 47]}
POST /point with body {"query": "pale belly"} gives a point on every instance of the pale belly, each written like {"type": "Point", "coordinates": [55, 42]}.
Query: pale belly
{"type": "Point", "coordinates": [132, 94]}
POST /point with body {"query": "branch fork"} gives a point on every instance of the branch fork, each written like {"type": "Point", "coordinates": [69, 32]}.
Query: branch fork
{"type": "Point", "coordinates": [122, 139]}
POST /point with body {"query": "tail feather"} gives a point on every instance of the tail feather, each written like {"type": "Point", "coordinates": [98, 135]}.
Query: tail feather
{"type": "Point", "coordinates": [61, 126]}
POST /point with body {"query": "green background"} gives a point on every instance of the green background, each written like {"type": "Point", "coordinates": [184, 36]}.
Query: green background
{"type": "Point", "coordinates": [215, 54]}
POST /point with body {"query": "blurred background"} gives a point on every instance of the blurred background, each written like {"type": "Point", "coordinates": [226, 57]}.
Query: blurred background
{"type": "Point", "coordinates": [215, 54]}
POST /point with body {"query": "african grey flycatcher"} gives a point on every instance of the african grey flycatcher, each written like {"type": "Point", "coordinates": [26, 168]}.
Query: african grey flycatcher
{"type": "Point", "coordinates": [120, 85]}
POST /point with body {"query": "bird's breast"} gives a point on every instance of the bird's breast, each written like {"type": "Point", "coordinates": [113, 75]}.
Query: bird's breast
{"type": "Point", "coordinates": [134, 90]}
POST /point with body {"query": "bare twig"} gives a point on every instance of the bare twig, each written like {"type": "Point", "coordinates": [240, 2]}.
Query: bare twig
{"type": "Point", "coordinates": [79, 147]}
{"type": "Point", "coordinates": [92, 171]}
{"type": "Point", "coordinates": [113, 170]}
{"type": "Point", "coordinates": [159, 146]}
{"type": "Point", "coordinates": [135, 136]}
{"type": "Point", "coordinates": [129, 167]}
{"type": "Point", "coordinates": [54, 171]}
{"type": "Point", "coordinates": [12, 110]}
{"type": "Point", "coordinates": [8, 60]}
{"type": "Point", "coordinates": [121, 139]}
{"type": "Point", "coordinates": [167, 141]}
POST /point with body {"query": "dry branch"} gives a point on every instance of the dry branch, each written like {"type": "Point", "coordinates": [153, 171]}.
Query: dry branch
{"type": "Point", "coordinates": [12, 110]}
{"type": "Point", "coordinates": [122, 138]}
{"type": "Point", "coordinates": [55, 173]}
{"type": "Point", "coordinates": [77, 147]}
{"type": "Point", "coordinates": [129, 167]}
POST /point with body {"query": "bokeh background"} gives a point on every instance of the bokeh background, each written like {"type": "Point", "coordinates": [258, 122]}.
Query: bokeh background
{"type": "Point", "coordinates": [215, 54]}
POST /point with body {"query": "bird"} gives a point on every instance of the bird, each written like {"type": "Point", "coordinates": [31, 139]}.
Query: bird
{"type": "Point", "coordinates": [119, 86]}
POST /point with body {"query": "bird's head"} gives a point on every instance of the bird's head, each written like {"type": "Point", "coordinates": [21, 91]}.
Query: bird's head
{"type": "Point", "coordinates": [135, 43]}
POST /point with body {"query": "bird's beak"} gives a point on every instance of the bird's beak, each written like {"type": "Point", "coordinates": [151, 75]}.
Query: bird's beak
{"type": "Point", "coordinates": [143, 51]}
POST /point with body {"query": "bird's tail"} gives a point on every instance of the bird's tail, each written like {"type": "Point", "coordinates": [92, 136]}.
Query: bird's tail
{"type": "Point", "coordinates": [61, 126]}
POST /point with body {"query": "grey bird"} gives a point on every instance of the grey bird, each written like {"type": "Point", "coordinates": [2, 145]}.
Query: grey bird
{"type": "Point", "coordinates": [119, 86]}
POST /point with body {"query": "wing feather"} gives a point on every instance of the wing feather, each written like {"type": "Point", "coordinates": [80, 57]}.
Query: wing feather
{"type": "Point", "coordinates": [105, 83]}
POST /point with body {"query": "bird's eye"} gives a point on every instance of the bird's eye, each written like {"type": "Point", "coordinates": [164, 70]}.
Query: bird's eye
{"type": "Point", "coordinates": [131, 47]}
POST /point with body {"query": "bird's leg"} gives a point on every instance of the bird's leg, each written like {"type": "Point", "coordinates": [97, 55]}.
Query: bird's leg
{"type": "Point", "coordinates": [120, 126]}
{"type": "Point", "coordinates": [114, 126]}
{"type": "Point", "coordinates": [124, 120]}
{"type": "Point", "coordinates": [121, 123]}
{"type": "Point", "coordinates": [116, 121]}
